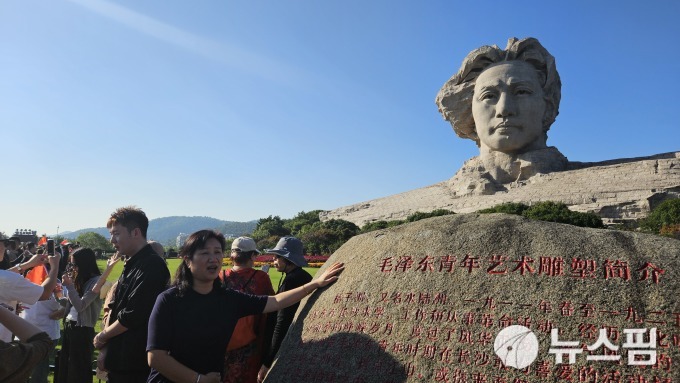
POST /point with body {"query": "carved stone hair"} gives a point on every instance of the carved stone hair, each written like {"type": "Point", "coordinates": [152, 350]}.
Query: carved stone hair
{"type": "Point", "coordinates": [454, 99]}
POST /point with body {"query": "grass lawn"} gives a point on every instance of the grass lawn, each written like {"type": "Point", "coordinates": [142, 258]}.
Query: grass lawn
{"type": "Point", "coordinates": [173, 264]}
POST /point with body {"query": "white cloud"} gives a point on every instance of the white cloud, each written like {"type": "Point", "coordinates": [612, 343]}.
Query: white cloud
{"type": "Point", "coordinates": [226, 53]}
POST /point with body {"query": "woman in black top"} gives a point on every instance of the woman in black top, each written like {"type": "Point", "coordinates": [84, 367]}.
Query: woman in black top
{"type": "Point", "coordinates": [191, 323]}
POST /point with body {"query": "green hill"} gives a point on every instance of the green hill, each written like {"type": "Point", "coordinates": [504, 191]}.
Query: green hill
{"type": "Point", "coordinates": [167, 229]}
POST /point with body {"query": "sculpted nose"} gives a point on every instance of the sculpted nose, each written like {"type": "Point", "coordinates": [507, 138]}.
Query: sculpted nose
{"type": "Point", "coordinates": [506, 106]}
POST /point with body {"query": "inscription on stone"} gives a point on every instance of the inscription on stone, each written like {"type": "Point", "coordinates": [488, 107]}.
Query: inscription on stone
{"type": "Point", "coordinates": [425, 302]}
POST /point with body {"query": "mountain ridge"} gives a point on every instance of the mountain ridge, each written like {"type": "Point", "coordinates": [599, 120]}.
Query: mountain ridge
{"type": "Point", "coordinates": [167, 229]}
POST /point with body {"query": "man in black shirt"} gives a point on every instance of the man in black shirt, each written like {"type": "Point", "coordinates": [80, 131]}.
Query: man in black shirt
{"type": "Point", "coordinates": [145, 275]}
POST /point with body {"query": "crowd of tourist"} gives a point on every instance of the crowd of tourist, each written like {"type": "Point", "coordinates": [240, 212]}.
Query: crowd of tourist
{"type": "Point", "coordinates": [204, 325]}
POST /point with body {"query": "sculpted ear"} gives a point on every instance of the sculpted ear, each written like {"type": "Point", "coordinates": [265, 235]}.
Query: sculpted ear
{"type": "Point", "coordinates": [548, 116]}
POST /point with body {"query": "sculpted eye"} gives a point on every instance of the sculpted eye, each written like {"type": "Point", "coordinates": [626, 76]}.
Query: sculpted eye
{"type": "Point", "coordinates": [487, 96]}
{"type": "Point", "coordinates": [523, 91]}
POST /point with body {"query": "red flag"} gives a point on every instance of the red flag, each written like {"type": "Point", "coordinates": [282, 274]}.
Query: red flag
{"type": "Point", "coordinates": [43, 241]}
{"type": "Point", "coordinates": [37, 274]}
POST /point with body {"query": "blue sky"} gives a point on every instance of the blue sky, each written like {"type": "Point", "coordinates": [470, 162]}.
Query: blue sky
{"type": "Point", "coordinates": [242, 109]}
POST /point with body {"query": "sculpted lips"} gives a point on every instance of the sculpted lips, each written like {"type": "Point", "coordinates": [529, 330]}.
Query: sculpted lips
{"type": "Point", "coordinates": [503, 127]}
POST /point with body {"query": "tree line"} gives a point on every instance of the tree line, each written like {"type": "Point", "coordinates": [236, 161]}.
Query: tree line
{"type": "Point", "coordinates": [324, 238]}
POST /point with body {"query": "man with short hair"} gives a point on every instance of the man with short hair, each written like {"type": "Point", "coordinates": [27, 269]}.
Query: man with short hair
{"type": "Point", "coordinates": [145, 275]}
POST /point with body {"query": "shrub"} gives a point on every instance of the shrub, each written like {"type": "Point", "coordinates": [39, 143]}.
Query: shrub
{"type": "Point", "coordinates": [667, 213]}
{"type": "Point", "coordinates": [377, 225]}
{"type": "Point", "coordinates": [417, 216]}
{"type": "Point", "coordinates": [672, 231]}
{"type": "Point", "coordinates": [507, 208]}
{"type": "Point", "coordinates": [559, 212]}
{"type": "Point", "coordinates": [548, 211]}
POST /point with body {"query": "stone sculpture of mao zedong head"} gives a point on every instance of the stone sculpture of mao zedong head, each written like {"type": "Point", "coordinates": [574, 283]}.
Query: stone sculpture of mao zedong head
{"type": "Point", "coordinates": [505, 101]}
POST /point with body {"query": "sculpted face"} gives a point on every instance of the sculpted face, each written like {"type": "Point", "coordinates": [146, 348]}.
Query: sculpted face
{"type": "Point", "coordinates": [508, 108]}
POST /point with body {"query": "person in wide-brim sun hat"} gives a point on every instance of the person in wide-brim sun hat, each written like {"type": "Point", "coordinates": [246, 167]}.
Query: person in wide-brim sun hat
{"type": "Point", "coordinates": [291, 249]}
{"type": "Point", "coordinates": [289, 258]}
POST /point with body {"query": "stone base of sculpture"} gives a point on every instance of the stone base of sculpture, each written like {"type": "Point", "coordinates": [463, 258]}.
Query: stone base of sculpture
{"type": "Point", "coordinates": [479, 177]}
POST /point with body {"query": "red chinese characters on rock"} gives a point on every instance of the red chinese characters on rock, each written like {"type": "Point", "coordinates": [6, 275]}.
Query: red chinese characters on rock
{"type": "Point", "coordinates": [434, 307]}
{"type": "Point", "coordinates": [452, 351]}
{"type": "Point", "coordinates": [501, 265]}
{"type": "Point", "coordinates": [447, 332]}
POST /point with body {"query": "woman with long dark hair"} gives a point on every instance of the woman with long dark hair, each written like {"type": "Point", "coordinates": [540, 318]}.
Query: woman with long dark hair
{"type": "Point", "coordinates": [192, 322]}
{"type": "Point", "coordinates": [83, 281]}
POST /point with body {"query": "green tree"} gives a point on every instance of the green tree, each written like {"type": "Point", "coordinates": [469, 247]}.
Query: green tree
{"type": "Point", "coordinates": [267, 243]}
{"type": "Point", "coordinates": [326, 237]}
{"type": "Point", "coordinates": [58, 239]}
{"type": "Point", "coordinates": [302, 221]}
{"type": "Point", "coordinates": [170, 242]}
{"type": "Point", "coordinates": [270, 226]}
{"type": "Point", "coordinates": [343, 229]}
{"type": "Point", "coordinates": [94, 241]}
{"type": "Point", "coordinates": [319, 241]}
{"type": "Point", "coordinates": [667, 213]}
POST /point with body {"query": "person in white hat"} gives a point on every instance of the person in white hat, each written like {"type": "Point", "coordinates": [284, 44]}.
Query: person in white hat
{"type": "Point", "coordinates": [288, 259]}
{"type": "Point", "coordinates": [247, 344]}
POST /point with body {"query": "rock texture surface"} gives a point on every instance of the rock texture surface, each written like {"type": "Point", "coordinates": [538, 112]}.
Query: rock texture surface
{"type": "Point", "coordinates": [424, 302]}
{"type": "Point", "coordinates": [616, 190]}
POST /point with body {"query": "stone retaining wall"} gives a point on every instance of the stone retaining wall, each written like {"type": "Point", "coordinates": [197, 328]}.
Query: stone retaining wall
{"type": "Point", "coordinates": [616, 190]}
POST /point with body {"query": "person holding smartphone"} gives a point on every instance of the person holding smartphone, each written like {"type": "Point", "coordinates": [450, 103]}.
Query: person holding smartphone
{"type": "Point", "coordinates": [15, 288]}
{"type": "Point", "coordinates": [82, 313]}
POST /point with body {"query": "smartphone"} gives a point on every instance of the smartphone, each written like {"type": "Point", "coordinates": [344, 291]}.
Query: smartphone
{"type": "Point", "coordinates": [50, 247]}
